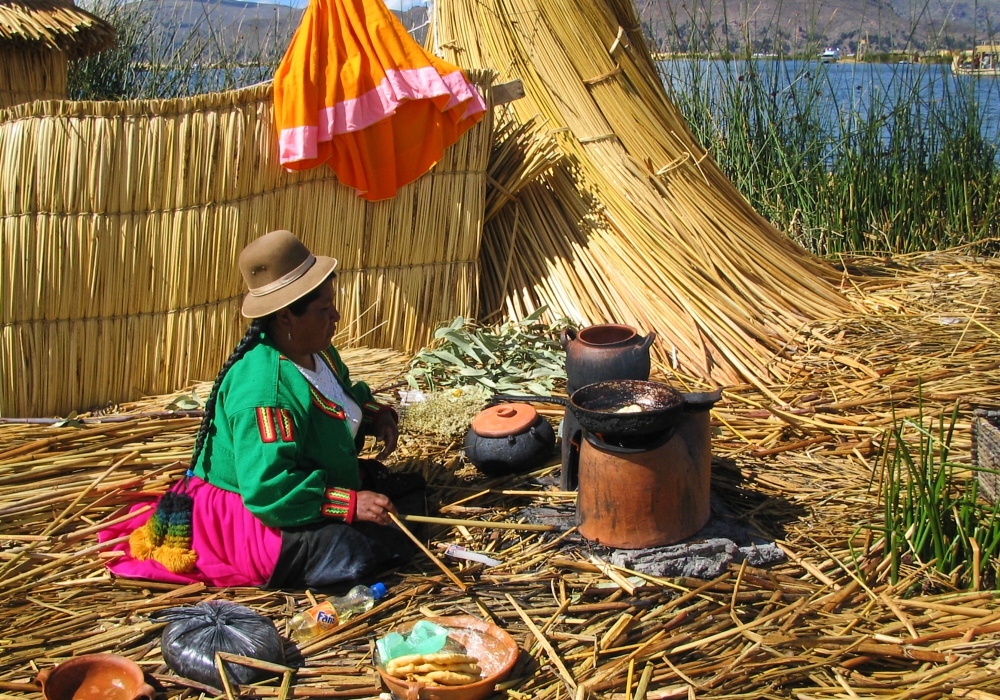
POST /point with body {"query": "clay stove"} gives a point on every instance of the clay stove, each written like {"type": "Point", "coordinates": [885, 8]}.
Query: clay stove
{"type": "Point", "coordinates": [647, 492]}
{"type": "Point", "coordinates": [641, 493]}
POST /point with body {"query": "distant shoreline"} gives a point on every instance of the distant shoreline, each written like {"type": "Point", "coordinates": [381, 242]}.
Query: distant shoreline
{"type": "Point", "coordinates": [879, 57]}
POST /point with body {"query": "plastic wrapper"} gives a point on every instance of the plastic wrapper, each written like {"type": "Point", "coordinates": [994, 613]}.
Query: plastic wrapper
{"type": "Point", "coordinates": [195, 634]}
{"type": "Point", "coordinates": [424, 638]}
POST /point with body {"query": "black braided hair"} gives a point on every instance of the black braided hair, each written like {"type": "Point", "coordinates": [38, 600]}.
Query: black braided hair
{"type": "Point", "coordinates": [251, 339]}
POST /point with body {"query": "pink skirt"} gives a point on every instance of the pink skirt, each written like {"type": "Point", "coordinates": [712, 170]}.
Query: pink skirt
{"type": "Point", "coordinates": [234, 548]}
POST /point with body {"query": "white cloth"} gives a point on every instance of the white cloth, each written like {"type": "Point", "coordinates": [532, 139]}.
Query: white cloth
{"type": "Point", "coordinates": [326, 383]}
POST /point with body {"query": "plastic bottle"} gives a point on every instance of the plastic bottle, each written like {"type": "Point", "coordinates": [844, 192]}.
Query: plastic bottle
{"type": "Point", "coordinates": [330, 612]}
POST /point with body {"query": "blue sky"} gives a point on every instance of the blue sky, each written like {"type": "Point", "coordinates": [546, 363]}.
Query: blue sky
{"type": "Point", "coordinates": [391, 4]}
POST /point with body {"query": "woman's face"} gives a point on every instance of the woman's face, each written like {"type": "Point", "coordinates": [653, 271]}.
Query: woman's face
{"type": "Point", "coordinates": [312, 331]}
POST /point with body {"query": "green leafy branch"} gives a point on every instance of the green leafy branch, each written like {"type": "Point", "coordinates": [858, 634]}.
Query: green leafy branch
{"type": "Point", "coordinates": [518, 357]}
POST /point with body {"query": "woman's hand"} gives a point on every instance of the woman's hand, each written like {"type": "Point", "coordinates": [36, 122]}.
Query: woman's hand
{"type": "Point", "coordinates": [374, 508]}
{"type": "Point", "coordinates": [386, 431]}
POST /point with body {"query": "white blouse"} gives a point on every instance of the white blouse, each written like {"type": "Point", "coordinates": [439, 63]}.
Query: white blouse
{"type": "Point", "coordinates": [326, 383]}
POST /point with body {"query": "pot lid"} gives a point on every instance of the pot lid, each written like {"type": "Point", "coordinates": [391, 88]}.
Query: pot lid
{"type": "Point", "coordinates": [503, 420]}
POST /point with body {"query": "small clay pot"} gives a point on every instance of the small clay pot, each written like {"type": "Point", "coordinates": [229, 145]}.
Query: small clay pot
{"type": "Point", "coordinates": [605, 353]}
{"type": "Point", "coordinates": [95, 677]}
{"type": "Point", "coordinates": [508, 439]}
{"type": "Point", "coordinates": [493, 647]}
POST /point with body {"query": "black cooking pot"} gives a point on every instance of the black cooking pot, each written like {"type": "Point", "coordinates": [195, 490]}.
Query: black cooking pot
{"type": "Point", "coordinates": [509, 439]}
{"type": "Point", "coordinates": [596, 406]}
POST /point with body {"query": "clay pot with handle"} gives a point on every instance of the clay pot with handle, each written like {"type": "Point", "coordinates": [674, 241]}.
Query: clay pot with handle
{"type": "Point", "coordinates": [604, 353]}
{"type": "Point", "coordinates": [95, 677]}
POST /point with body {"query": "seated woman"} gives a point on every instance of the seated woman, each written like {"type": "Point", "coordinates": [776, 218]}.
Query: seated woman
{"type": "Point", "coordinates": [276, 494]}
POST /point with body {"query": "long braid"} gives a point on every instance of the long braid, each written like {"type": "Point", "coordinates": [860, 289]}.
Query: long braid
{"type": "Point", "coordinates": [166, 537]}
{"type": "Point", "coordinates": [251, 339]}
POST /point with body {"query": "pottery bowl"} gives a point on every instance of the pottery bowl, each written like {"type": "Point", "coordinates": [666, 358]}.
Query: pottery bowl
{"type": "Point", "coordinates": [493, 647]}
{"type": "Point", "coordinates": [95, 677]}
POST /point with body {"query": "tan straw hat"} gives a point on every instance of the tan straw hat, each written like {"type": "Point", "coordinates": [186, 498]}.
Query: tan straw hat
{"type": "Point", "coordinates": [279, 269]}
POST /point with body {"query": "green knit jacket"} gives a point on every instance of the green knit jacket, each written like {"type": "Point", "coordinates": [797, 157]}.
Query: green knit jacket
{"type": "Point", "coordinates": [280, 444]}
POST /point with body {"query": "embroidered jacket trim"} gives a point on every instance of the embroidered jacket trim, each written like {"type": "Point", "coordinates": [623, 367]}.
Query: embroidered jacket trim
{"type": "Point", "coordinates": [327, 406]}
{"type": "Point", "coordinates": [265, 424]}
{"type": "Point", "coordinates": [340, 503]}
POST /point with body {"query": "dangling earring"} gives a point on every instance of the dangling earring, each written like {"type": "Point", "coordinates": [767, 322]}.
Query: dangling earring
{"type": "Point", "coordinates": [289, 336]}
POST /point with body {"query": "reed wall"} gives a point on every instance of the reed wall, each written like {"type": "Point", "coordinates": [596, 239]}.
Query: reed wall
{"type": "Point", "coordinates": [122, 223]}
{"type": "Point", "coordinates": [31, 74]}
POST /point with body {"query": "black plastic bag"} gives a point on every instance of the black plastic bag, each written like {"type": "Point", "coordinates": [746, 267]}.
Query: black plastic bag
{"type": "Point", "coordinates": [194, 635]}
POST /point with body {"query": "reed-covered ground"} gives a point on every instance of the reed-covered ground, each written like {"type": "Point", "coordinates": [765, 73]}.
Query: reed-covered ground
{"type": "Point", "coordinates": [842, 618]}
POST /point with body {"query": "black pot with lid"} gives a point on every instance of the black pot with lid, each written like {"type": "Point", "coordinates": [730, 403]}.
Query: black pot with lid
{"type": "Point", "coordinates": [509, 439]}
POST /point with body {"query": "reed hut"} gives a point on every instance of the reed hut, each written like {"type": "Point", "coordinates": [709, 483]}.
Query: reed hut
{"type": "Point", "coordinates": [636, 223]}
{"type": "Point", "coordinates": [123, 221]}
{"type": "Point", "coordinates": [38, 38]}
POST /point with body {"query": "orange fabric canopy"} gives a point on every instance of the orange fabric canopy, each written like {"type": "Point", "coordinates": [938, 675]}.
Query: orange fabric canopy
{"type": "Point", "coordinates": [355, 91]}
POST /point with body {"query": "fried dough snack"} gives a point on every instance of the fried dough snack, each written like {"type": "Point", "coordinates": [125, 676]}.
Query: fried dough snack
{"type": "Point", "coordinates": [441, 668]}
{"type": "Point", "coordinates": [428, 668]}
{"type": "Point", "coordinates": [447, 678]}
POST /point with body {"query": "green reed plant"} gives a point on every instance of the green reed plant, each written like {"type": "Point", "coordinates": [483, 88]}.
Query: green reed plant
{"type": "Point", "coordinates": [900, 161]}
{"type": "Point", "coordinates": [904, 166]}
{"type": "Point", "coordinates": [932, 511]}
{"type": "Point", "coordinates": [162, 52]}
{"type": "Point", "coordinates": [115, 73]}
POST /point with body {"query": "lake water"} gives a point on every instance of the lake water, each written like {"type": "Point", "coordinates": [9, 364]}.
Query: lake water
{"type": "Point", "coordinates": [842, 94]}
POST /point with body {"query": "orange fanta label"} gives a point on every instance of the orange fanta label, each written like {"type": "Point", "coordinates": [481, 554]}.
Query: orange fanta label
{"type": "Point", "coordinates": [324, 615]}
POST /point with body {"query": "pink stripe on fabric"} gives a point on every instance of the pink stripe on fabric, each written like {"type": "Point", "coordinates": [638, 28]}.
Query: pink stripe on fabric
{"type": "Point", "coordinates": [398, 86]}
{"type": "Point", "coordinates": [298, 143]}
{"type": "Point", "coordinates": [458, 85]}
{"type": "Point", "coordinates": [234, 548]}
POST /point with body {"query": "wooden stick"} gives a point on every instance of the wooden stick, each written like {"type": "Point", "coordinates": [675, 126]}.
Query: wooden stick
{"type": "Point", "coordinates": [609, 571]}
{"type": "Point", "coordinates": [286, 685]}
{"type": "Point", "coordinates": [950, 609]}
{"type": "Point", "coordinates": [455, 522]}
{"type": "Point", "coordinates": [647, 675]}
{"type": "Point", "coordinates": [430, 555]}
{"type": "Point", "coordinates": [816, 573]}
{"type": "Point", "coordinates": [224, 676]}
{"type": "Point", "coordinates": [254, 663]}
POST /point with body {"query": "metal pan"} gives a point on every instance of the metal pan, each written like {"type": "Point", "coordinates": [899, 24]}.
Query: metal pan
{"type": "Point", "coordinates": [596, 406]}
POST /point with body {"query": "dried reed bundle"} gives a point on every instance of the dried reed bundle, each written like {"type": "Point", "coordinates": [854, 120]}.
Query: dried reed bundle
{"type": "Point", "coordinates": [644, 228]}
{"type": "Point", "coordinates": [31, 74]}
{"type": "Point", "coordinates": [53, 24]}
{"type": "Point", "coordinates": [521, 154]}
{"type": "Point", "coordinates": [124, 222]}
